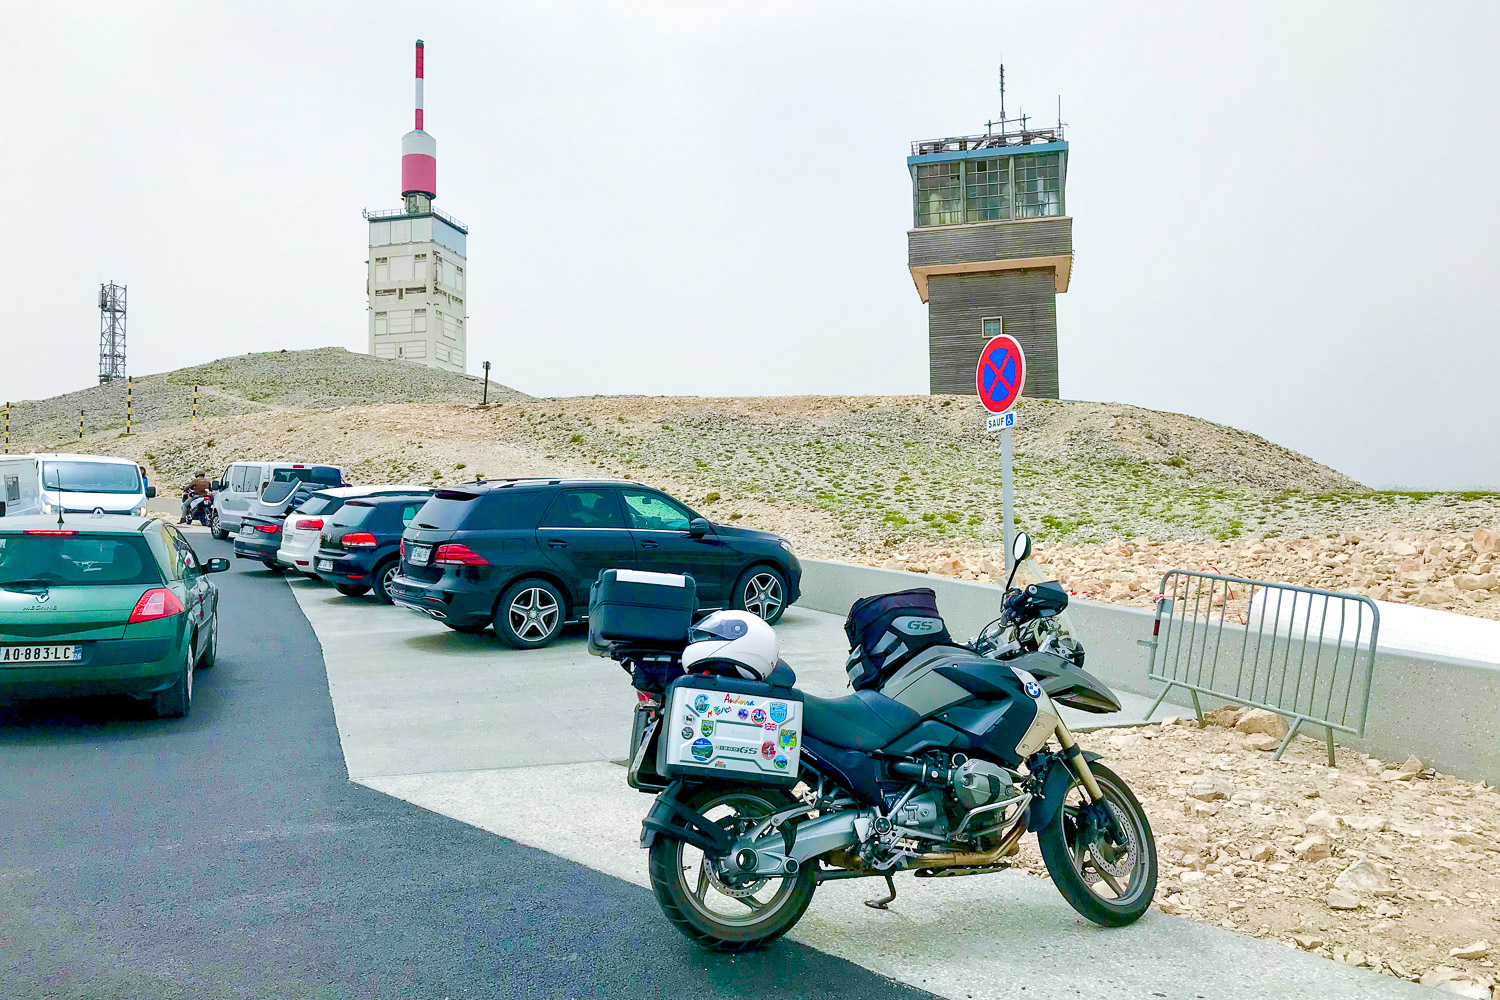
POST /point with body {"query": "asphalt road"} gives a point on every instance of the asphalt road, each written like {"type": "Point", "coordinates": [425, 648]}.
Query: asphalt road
{"type": "Point", "coordinates": [228, 855]}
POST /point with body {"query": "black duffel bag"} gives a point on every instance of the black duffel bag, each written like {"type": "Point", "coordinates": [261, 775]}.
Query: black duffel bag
{"type": "Point", "coordinates": [886, 630]}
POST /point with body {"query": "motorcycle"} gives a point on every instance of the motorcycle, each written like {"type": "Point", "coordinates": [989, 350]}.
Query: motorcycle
{"type": "Point", "coordinates": [938, 764]}
{"type": "Point", "coordinates": [199, 508]}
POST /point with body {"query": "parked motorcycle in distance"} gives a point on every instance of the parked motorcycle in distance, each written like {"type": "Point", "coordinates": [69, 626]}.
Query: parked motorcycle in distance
{"type": "Point", "coordinates": [938, 764]}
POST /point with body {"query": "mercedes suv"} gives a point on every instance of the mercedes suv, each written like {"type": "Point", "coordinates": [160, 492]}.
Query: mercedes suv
{"type": "Point", "coordinates": [520, 555]}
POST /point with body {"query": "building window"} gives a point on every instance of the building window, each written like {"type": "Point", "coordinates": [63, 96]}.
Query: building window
{"type": "Point", "coordinates": [987, 190]}
{"type": "Point", "coordinates": [419, 321]}
{"type": "Point", "coordinates": [1038, 185]}
{"type": "Point", "coordinates": [380, 324]}
{"type": "Point", "coordinates": [939, 194]}
{"type": "Point", "coordinates": [991, 327]}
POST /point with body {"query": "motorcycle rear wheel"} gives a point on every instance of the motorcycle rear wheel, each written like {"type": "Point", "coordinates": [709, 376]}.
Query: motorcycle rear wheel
{"type": "Point", "coordinates": [695, 899]}
{"type": "Point", "coordinates": [1115, 891]}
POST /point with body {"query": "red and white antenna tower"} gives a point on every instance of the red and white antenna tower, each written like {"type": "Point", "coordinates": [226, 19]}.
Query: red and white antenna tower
{"type": "Point", "coordinates": [418, 155]}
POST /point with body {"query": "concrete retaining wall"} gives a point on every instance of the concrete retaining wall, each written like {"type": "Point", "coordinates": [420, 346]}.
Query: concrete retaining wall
{"type": "Point", "coordinates": [1441, 709]}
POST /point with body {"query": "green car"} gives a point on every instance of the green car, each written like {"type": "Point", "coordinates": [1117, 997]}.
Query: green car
{"type": "Point", "coordinates": [104, 604]}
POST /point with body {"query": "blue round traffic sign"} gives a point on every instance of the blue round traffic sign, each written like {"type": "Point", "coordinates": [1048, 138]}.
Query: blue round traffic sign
{"type": "Point", "coordinates": [1001, 373]}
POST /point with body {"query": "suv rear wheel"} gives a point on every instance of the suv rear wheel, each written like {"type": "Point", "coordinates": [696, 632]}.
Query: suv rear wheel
{"type": "Point", "coordinates": [213, 525]}
{"type": "Point", "coordinates": [761, 591]}
{"type": "Point", "coordinates": [384, 574]}
{"type": "Point", "coordinates": [529, 614]}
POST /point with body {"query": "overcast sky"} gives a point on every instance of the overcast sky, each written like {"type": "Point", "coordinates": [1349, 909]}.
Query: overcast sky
{"type": "Point", "coordinates": [1286, 214]}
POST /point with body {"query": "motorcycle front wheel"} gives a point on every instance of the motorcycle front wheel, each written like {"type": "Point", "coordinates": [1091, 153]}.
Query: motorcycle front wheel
{"type": "Point", "coordinates": [706, 907]}
{"type": "Point", "coordinates": [1111, 883]}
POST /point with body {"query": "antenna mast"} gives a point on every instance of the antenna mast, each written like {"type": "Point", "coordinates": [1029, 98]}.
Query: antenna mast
{"type": "Point", "coordinates": [111, 332]}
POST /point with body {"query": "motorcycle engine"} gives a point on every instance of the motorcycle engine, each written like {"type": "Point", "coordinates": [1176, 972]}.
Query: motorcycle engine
{"type": "Point", "coordinates": [978, 783]}
{"type": "Point", "coordinates": [924, 812]}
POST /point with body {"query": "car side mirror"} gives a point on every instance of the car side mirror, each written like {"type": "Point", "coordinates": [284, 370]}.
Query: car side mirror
{"type": "Point", "coordinates": [216, 486]}
{"type": "Point", "coordinates": [698, 527]}
{"type": "Point", "coordinates": [217, 565]}
{"type": "Point", "coordinates": [150, 492]}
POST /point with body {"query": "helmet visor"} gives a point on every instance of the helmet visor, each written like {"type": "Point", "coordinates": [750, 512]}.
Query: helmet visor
{"type": "Point", "coordinates": [714, 627]}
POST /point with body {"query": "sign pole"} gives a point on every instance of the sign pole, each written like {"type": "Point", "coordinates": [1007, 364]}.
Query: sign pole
{"type": "Point", "coordinates": [486, 400]}
{"type": "Point", "coordinates": [999, 379]}
{"type": "Point", "coordinates": [7, 427]}
{"type": "Point", "coordinates": [1007, 496]}
{"type": "Point", "coordinates": [195, 404]}
{"type": "Point", "coordinates": [80, 425]}
{"type": "Point", "coordinates": [129, 401]}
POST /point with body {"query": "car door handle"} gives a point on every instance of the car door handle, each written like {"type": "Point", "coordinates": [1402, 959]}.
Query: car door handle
{"type": "Point", "coordinates": [556, 543]}
{"type": "Point", "coordinates": [647, 543]}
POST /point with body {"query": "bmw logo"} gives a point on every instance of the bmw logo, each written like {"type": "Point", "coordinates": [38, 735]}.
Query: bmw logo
{"type": "Point", "coordinates": [1033, 689]}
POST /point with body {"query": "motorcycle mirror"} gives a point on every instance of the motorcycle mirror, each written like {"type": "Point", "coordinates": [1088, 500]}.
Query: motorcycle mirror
{"type": "Point", "coordinates": [1020, 546]}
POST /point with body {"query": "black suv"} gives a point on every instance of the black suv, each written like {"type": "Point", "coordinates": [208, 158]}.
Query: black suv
{"type": "Point", "coordinates": [360, 547]}
{"type": "Point", "coordinates": [521, 555]}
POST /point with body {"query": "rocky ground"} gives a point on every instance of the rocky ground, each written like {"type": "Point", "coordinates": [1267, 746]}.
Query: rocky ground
{"type": "Point", "coordinates": [1391, 866]}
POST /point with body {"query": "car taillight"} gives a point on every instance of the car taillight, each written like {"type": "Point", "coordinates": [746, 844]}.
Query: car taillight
{"type": "Point", "coordinates": [359, 540]}
{"type": "Point", "coordinates": [454, 554]}
{"type": "Point", "coordinates": [51, 531]}
{"type": "Point", "coordinates": [269, 529]}
{"type": "Point", "coordinates": [403, 548]}
{"type": "Point", "coordinates": [154, 604]}
{"type": "Point", "coordinates": [310, 524]}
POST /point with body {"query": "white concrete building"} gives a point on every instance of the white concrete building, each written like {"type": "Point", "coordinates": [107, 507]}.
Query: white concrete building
{"type": "Point", "coordinates": [416, 288]}
{"type": "Point", "coordinates": [416, 265]}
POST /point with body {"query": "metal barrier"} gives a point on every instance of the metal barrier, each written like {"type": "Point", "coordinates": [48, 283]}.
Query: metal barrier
{"type": "Point", "coordinates": [1303, 653]}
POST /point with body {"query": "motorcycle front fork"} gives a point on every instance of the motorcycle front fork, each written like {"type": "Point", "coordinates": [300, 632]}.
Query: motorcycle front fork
{"type": "Point", "coordinates": [1076, 760]}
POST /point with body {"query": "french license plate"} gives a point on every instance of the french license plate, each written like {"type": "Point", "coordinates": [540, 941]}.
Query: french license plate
{"type": "Point", "coordinates": [325, 565]}
{"type": "Point", "coordinates": [419, 555]}
{"type": "Point", "coordinates": [40, 654]}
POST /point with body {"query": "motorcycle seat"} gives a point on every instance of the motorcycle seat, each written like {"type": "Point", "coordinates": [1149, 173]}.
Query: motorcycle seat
{"type": "Point", "coordinates": [865, 720]}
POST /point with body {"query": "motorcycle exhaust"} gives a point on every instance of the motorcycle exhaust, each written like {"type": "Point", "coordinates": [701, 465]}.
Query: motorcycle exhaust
{"type": "Point", "coordinates": [1009, 844]}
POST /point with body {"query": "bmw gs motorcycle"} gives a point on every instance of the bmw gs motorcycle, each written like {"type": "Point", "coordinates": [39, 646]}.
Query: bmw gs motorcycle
{"type": "Point", "coordinates": [939, 763]}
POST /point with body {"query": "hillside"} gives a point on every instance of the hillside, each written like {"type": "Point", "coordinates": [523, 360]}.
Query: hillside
{"type": "Point", "coordinates": [246, 383]}
{"type": "Point", "coordinates": [1115, 494]}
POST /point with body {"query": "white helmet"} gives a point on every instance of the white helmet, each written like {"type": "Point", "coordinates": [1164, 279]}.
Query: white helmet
{"type": "Point", "coordinates": [737, 637]}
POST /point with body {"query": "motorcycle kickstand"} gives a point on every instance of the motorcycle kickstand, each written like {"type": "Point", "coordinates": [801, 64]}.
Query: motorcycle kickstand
{"type": "Point", "coordinates": [884, 903]}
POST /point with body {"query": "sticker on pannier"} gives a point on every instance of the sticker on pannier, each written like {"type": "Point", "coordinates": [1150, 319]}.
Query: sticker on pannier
{"type": "Point", "coordinates": [750, 737]}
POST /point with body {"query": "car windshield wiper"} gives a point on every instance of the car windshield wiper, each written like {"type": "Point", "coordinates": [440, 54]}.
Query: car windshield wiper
{"type": "Point", "coordinates": [424, 524]}
{"type": "Point", "coordinates": [24, 584]}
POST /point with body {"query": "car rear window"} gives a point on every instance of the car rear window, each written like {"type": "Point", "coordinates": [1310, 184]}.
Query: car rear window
{"type": "Point", "coordinates": [73, 560]}
{"type": "Point", "coordinates": [352, 515]}
{"type": "Point", "coordinates": [317, 505]}
{"type": "Point", "coordinates": [452, 509]}
{"type": "Point", "coordinates": [91, 477]}
{"type": "Point", "coordinates": [324, 475]}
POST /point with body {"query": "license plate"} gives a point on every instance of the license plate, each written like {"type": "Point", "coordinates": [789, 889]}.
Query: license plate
{"type": "Point", "coordinates": [325, 566]}
{"type": "Point", "coordinates": [419, 554]}
{"type": "Point", "coordinates": [40, 654]}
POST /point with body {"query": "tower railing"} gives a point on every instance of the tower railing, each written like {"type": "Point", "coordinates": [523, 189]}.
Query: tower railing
{"type": "Point", "coordinates": [376, 215]}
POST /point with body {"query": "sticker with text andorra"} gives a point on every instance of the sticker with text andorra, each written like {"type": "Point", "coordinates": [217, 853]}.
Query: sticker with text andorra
{"type": "Point", "coordinates": [778, 712]}
{"type": "Point", "coordinates": [788, 739]}
{"type": "Point", "coordinates": [702, 749]}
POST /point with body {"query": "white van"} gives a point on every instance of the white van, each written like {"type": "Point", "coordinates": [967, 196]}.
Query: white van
{"type": "Point", "coordinates": [239, 490]}
{"type": "Point", "coordinates": [73, 484]}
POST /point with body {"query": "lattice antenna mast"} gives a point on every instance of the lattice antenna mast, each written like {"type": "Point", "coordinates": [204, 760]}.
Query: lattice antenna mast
{"type": "Point", "coordinates": [111, 332]}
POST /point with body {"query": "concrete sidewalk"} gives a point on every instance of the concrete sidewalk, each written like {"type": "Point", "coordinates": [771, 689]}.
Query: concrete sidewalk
{"type": "Point", "coordinates": [522, 743]}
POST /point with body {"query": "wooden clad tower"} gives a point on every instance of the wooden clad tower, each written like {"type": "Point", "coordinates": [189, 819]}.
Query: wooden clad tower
{"type": "Point", "coordinates": [991, 246]}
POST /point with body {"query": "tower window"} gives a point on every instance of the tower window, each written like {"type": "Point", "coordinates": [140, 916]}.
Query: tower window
{"type": "Point", "coordinates": [991, 327]}
{"type": "Point", "coordinates": [1038, 185]}
{"type": "Point", "coordinates": [987, 190]}
{"type": "Point", "coordinates": [940, 194]}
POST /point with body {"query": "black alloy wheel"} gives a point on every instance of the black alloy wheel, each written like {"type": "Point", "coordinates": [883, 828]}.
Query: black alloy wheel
{"type": "Point", "coordinates": [762, 591]}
